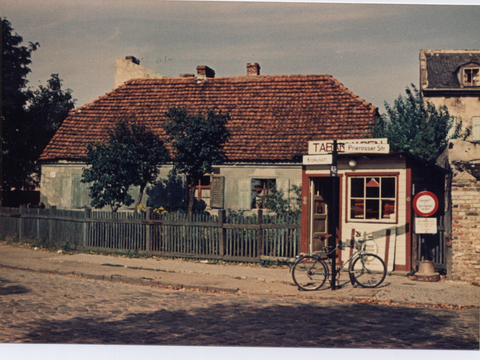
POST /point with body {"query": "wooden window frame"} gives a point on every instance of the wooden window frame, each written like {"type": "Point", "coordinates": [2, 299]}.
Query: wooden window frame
{"type": "Point", "coordinates": [350, 175]}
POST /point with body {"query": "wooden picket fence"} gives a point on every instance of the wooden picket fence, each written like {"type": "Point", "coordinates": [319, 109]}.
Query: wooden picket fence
{"type": "Point", "coordinates": [202, 236]}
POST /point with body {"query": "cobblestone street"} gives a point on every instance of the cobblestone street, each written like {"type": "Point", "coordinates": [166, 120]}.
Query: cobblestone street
{"type": "Point", "coordinates": [46, 308]}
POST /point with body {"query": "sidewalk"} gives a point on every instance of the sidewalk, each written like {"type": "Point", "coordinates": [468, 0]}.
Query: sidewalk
{"type": "Point", "coordinates": [245, 279]}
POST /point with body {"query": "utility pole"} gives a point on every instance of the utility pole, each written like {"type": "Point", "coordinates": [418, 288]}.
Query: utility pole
{"type": "Point", "coordinates": [334, 213]}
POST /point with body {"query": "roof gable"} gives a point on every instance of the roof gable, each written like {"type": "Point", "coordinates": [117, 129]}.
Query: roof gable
{"type": "Point", "coordinates": [272, 117]}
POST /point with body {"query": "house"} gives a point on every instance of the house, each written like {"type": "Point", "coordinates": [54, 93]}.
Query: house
{"type": "Point", "coordinates": [452, 78]}
{"type": "Point", "coordinates": [272, 119]}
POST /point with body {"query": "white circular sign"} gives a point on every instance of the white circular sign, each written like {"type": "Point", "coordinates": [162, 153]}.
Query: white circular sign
{"type": "Point", "coordinates": [425, 203]}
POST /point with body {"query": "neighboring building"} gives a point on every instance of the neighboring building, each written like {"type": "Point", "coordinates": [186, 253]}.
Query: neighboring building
{"type": "Point", "coordinates": [272, 119]}
{"type": "Point", "coordinates": [452, 78]}
{"type": "Point", "coordinates": [129, 68]}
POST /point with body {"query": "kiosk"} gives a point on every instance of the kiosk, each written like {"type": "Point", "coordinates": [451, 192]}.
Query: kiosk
{"type": "Point", "coordinates": [374, 201]}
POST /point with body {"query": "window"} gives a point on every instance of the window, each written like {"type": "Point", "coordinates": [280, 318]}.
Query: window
{"type": "Point", "coordinates": [471, 76]}
{"type": "Point", "coordinates": [372, 198]}
{"type": "Point", "coordinates": [202, 189]}
{"type": "Point", "coordinates": [261, 187]}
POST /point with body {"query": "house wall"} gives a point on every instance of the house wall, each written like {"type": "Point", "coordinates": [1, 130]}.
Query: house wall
{"type": "Point", "coordinates": [60, 185]}
{"type": "Point", "coordinates": [397, 253]}
{"type": "Point", "coordinates": [463, 108]}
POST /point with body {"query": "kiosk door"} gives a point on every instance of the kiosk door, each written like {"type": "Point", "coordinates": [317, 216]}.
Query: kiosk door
{"type": "Point", "coordinates": [320, 192]}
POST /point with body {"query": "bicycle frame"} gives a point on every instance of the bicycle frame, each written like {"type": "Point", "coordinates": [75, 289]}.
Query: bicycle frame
{"type": "Point", "coordinates": [359, 249]}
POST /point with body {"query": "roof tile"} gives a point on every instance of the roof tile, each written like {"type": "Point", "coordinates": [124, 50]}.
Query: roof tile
{"type": "Point", "coordinates": [272, 117]}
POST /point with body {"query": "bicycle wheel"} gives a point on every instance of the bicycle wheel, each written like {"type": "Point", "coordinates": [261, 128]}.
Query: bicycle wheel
{"type": "Point", "coordinates": [309, 273]}
{"type": "Point", "coordinates": [368, 270]}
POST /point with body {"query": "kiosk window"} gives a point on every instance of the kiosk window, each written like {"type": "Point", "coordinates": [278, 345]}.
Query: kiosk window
{"type": "Point", "coordinates": [372, 198]}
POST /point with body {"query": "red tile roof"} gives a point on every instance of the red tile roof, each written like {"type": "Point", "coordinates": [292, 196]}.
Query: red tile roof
{"type": "Point", "coordinates": [272, 117]}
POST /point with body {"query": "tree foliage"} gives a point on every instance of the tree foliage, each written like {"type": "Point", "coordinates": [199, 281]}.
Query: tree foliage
{"type": "Point", "coordinates": [197, 141]}
{"type": "Point", "coordinates": [29, 117]}
{"type": "Point", "coordinates": [416, 126]}
{"type": "Point", "coordinates": [277, 202]}
{"type": "Point", "coordinates": [132, 156]}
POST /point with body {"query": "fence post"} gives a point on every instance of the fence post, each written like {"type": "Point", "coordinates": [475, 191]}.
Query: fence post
{"type": "Point", "coordinates": [53, 213]}
{"type": "Point", "coordinates": [260, 234]}
{"type": "Point", "coordinates": [148, 240]}
{"type": "Point", "coordinates": [222, 236]}
{"type": "Point", "coordinates": [87, 214]}
{"type": "Point", "coordinates": [21, 232]}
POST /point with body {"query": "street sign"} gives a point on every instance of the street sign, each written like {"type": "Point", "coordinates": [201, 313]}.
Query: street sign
{"type": "Point", "coordinates": [317, 159]}
{"type": "Point", "coordinates": [425, 203]}
{"type": "Point", "coordinates": [367, 148]}
{"type": "Point", "coordinates": [424, 225]}
{"type": "Point", "coordinates": [326, 146]}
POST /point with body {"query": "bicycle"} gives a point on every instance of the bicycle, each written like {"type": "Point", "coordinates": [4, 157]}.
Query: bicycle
{"type": "Point", "coordinates": [309, 271]}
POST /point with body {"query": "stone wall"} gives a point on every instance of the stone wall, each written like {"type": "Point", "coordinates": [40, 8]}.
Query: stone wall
{"type": "Point", "coordinates": [465, 228]}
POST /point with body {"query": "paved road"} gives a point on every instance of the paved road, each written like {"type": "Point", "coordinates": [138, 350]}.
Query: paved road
{"type": "Point", "coordinates": [46, 308]}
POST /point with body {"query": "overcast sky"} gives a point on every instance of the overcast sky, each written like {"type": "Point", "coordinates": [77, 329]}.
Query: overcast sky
{"type": "Point", "coordinates": [372, 49]}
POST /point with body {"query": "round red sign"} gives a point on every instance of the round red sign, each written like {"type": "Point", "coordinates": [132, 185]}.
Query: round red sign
{"type": "Point", "coordinates": [425, 203]}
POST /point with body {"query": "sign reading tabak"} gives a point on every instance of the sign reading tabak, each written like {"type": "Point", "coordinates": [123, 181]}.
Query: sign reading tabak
{"type": "Point", "coordinates": [377, 146]}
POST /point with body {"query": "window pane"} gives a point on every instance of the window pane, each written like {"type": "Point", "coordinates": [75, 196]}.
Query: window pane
{"type": "Point", "coordinates": [388, 187]}
{"type": "Point", "coordinates": [388, 209]}
{"type": "Point", "coordinates": [357, 187]}
{"type": "Point", "coordinates": [320, 207]}
{"type": "Point", "coordinates": [356, 208]}
{"type": "Point", "coordinates": [373, 187]}
{"type": "Point", "coordinates": [319, 226]}
{"type": "Point", "coordinates": [373, 209]}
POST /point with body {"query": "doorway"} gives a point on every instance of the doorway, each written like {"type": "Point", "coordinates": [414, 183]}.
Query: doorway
{"type": "Point", "coordinates": [321, 199]}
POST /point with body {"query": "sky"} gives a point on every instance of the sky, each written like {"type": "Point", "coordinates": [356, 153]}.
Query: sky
{"type": "Point", "coordinates": [372, 49]}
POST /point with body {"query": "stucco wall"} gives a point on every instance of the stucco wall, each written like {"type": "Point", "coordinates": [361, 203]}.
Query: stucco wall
{"type": "Point", "coordinates": [61, 186]}
{"type": "Point", "coordinates": [460, 107]}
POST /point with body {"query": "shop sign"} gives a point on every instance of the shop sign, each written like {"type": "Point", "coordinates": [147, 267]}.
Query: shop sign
{"type": "Point", "coordinates": [424, 225]}
{"type": "Point", "coordinates": [317, 159]}
{"type": "Point", "coordinates": [425, 203]}
{"type": "Point", "coordinates": [326, 147]}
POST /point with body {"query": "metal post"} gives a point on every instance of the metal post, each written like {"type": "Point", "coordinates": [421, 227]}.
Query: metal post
{"type": "Point", "coordinates": [333, 215]}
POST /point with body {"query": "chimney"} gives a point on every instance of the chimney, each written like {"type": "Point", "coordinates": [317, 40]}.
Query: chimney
{"type": "Point", "coordinates": [133, 59]}
{"type": "Point", "coordinates": [253, 69]}
{"type": "Point", "coordinates": [204, 72]}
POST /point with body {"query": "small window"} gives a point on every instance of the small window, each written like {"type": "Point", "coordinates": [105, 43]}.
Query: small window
{"type": "Point", "coordinates": [261, 187]}
{"type": "Point", "coordinates": [372, 198]}
{"type": "Point", "coordinates": [471, 76]}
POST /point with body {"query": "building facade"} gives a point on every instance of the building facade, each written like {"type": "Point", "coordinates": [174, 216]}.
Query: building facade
{"type": "Point", "coordinates": [452, 78]}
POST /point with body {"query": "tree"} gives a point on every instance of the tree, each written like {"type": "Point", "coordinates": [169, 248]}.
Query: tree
{"type": "Point", "coordinates": [29, 117]}
{"type": "Point", "coordinates": [198, 142]}
{"type": "Point", "coordinates": [416, 126]}
{"type": "Point", "coordinates": [276, 202]}
{"type": "Point", "coordinates": [132, 156]}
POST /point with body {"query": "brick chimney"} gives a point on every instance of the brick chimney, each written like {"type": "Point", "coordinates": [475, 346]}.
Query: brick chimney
{"type": "Point", "coordinates": [133, 59]}
{"type": "Point", "coordinates": [253, 69]}
{"type": "Point", "coordinates": [204, 72]}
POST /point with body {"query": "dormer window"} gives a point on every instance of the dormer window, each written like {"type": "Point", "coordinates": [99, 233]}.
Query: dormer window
{"type": "Point", "coordinates": [471, 76]}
